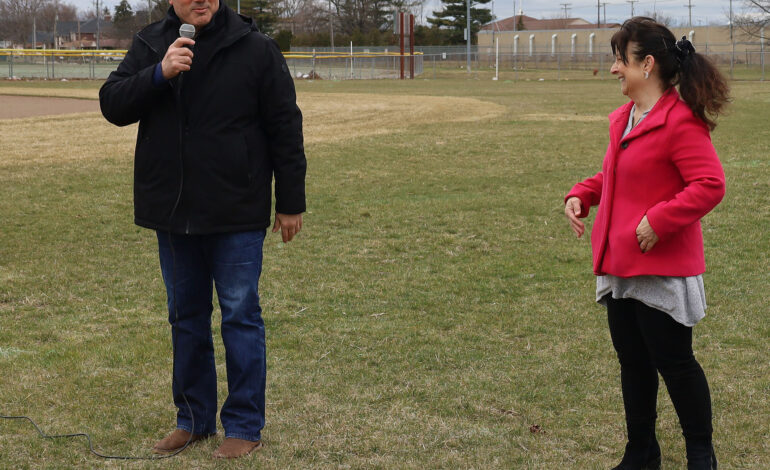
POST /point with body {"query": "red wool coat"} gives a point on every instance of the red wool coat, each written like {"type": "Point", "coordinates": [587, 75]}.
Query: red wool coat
{"type": "Point", "coordinates": [666, 168]}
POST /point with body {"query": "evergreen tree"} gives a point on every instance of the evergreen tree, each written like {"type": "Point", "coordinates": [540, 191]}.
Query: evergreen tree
{"type": "Point", "coordinates": [453, 18]}
{"type": "Point", "coordinates": [124, 20]}
{"type": "Point", "coordinates": [263, 12]}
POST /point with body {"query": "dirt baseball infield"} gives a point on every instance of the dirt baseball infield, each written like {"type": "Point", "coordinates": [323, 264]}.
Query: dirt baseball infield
{"type": "Point", "coordinates": [12, 107]}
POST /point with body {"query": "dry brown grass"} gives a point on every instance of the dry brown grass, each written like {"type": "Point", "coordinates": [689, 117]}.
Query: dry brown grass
{"type": "Point", "coordinates": [342, 116]}
{"type": "Point", "coordinates": [562, 117]}
{"type": "Point", "coordinates": [36, 142]}
{"type": "Point", "coordinates": [327, 118]}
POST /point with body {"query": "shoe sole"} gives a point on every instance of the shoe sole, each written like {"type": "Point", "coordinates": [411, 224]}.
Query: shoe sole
{"type": "Point", "coordinates": [255, 448]}
{"type": "Point", "coordinates": [158, 451]}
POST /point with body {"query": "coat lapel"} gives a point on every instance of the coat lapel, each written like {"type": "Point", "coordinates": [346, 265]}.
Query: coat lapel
{"type": "Point", "coordinates": [656, 118]}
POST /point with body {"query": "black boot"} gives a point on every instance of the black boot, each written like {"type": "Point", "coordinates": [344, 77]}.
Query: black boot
{"type": "Point", "coordinates": [641, 457]}
{"type": "Point", "coordinates": [697, 459]}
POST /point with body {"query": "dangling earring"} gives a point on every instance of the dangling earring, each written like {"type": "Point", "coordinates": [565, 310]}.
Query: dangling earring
{"type": "Point", "coordinates": [646, 75]}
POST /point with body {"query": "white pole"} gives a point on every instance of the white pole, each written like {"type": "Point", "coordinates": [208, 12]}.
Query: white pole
{"type": "Point", "coordinates": [497, 57]}
{"type": "Point", "coordinates": [351, 59]}
{"type": "Point", "coordinates": [762, 50]}
{"type": "Point", "coordinates": [732, 41]}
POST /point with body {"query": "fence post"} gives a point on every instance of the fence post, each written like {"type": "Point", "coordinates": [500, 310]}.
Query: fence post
{"type": "Point", "coordinates": [434, 66]}
{"type": "Point", "coordinates": [601, 63]}
{"type": "Point", "coordinates": [10, 66]}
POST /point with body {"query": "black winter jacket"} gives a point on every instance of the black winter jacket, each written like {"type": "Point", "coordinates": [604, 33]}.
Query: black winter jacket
{"type": "Point", "coordinates": [214, 137]}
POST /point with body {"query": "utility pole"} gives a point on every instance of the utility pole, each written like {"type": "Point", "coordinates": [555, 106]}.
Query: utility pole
{"type": "Point", "coordinates": [55, 20]}
{"type": "Point", "coordinates": [468, 44]}
{"type": "Point", "coordinates": [514, 16]}
{"type": "Point", "coordinates": [632, 5]}
{"type": "Point", "coordinates": [604, 8]}
{"type": "Point", "coordinates": [98, 26]}
{"type": "Point", "coordinates": [566, 9]}
{"type": "Point", "coordinates": [331, 25]}
{"type": "Point", "coordinates": [598, 13]}
{"type": "Point", "coordinates": [689, 7]}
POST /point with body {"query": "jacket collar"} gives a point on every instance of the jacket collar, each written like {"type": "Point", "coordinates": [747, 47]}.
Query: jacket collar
{"type": "Point", "coordinates": [656, 118]}
{"type": "Point", "coordinates": [225, 28]}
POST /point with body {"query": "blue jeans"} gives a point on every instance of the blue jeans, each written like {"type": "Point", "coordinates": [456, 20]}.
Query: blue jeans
{"type": "Point", "coordinates": [232, 262]}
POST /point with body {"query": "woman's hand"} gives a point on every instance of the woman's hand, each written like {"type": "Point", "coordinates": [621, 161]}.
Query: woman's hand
{"type": "Point", "coordinates": [645, 235]}
{"type": "Point", "coordinates": [572, 210]}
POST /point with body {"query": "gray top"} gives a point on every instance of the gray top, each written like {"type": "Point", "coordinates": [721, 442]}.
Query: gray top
{"type": "Point", "coordinates": [683, 298]}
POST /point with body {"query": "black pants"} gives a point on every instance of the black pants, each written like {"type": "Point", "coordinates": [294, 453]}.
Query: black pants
{"type": "Point", "coordinates": [649, 341]}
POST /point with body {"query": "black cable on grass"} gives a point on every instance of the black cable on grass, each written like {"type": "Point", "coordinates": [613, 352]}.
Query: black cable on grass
{"type": "Point", "coordinates": [91, 445]}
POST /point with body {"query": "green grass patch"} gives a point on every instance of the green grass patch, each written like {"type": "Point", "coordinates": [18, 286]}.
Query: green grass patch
{"type": "Point", "coordinates": [434, 312]}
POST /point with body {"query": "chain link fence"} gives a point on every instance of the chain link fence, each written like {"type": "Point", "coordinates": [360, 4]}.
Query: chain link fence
{"type": "Point", "coordinates": [355, 66]}
{"type": "Point", "coordinates": [381, 63]}
{"type": "Point", "coordinates": [58, 64]}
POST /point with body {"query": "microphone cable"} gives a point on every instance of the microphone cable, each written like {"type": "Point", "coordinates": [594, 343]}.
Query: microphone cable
{"type": "Point", "coordinates": [174, 378]}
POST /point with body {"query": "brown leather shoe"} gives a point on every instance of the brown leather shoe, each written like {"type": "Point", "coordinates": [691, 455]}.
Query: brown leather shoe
{"type": "Point", "coordinates": [176, 440]}
{"type": "Point", "coordinates": [233, 448]}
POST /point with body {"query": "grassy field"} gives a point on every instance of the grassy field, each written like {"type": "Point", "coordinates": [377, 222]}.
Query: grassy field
{"type": "Point", "coordinates": [435, 312]}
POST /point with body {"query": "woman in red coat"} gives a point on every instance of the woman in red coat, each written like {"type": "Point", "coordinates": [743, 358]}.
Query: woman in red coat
{"type": "Point", "coordinates": [660, 176]}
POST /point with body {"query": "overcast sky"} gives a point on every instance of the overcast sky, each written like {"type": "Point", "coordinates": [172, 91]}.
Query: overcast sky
{"type": "Point", "coordinates": [703, 11]}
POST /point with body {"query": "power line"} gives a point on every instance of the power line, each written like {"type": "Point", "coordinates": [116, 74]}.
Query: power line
{"type": "Point", "coordinates": [566, 9]}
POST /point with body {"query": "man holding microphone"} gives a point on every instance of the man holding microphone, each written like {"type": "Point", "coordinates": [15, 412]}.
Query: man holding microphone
{"type": "Point", "coordinates": [217, 119]}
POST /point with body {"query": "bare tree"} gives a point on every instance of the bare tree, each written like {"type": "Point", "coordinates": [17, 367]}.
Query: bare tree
{"type": "Point", "coordinates": [287, 11]}
{"type": "Point", "coordinates": [50, 12]}
{"type": "Point", "coordinates": [660, 18]}
{"type": "Point", "coordinates": [17, 17]}
{"type": "Point", "coordinates": [312, 17]}
{"type": "Point", "coordinates": [363, 15]}
{"type": "Point", "coordinates": [755, 17]}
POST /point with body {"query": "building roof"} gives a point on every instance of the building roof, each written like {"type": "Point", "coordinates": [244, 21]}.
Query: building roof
{"type": "Point", "coordinates": [534, 24]}
{"type": "Point", "coordinates": [41, 37]}
{"type": "Point", "coordinates": [89, 26]}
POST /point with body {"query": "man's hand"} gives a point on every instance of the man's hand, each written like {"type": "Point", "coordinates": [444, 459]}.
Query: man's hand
{"type": "Point", "coordinates": [289, 224]}
{"type": "Point", "coordinates": [646, 236]}
{"type": "Point", "coordinates": [572, 210]}
{"type": "Point", "coordinates": [178, 58]}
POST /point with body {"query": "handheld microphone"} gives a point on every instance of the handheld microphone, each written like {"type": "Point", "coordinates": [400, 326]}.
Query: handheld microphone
{"type": "Point", "coordinates": [187, 31]}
